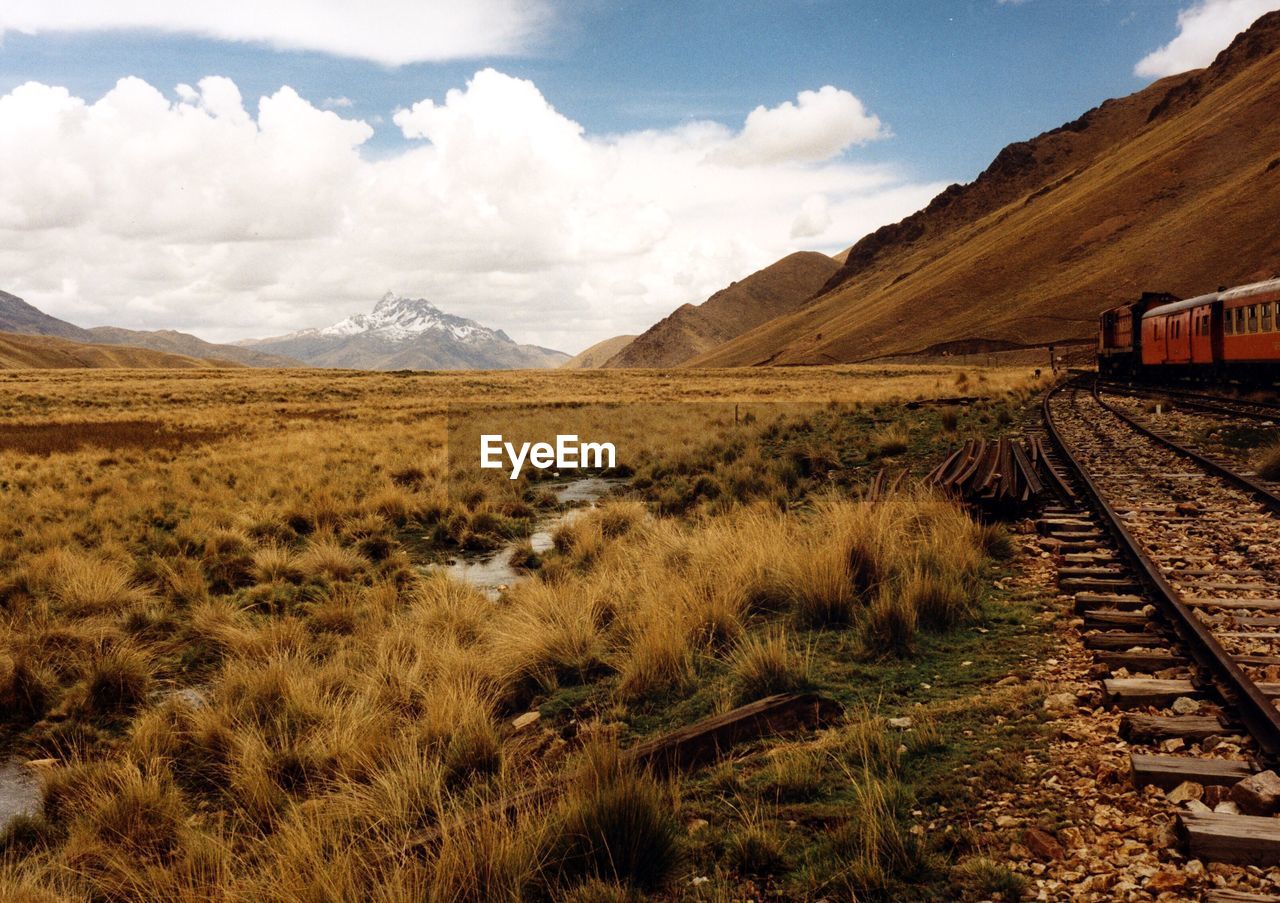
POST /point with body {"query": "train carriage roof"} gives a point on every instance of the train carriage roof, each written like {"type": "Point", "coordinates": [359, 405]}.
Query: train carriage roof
{"type": "Point", "coordinates": [1266, 287]}
{"type": "Point", "coordinates": [1179, 306]}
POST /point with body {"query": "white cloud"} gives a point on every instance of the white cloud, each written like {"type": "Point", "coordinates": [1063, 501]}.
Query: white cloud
{"type": "Point", "coordinates": [814, 217]}
{"type": "Point", "coordinates": [1203, 30]}
{"type": "Point", "coordinates": [821, 125]}
{"type": "Point", "coordinates": [197, 214]}
{"type": "Point", "coordinates": [333, 103]}
{"type": "Point", "coordinates": [392, 32]}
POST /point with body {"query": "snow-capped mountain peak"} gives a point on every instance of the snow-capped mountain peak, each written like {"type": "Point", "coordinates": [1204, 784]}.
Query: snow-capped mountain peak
{"type": "Point", "coordinates": [409, 334]}
{"type": "Point", "coordinates": [398, 318]}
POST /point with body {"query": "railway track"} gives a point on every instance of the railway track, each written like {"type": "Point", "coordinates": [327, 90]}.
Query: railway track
{"type": "Point", "coordinates": [1173, 560]}
{"type": "Point", "coordinates": [1204, 402]}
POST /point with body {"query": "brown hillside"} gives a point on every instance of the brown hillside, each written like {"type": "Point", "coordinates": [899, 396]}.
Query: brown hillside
{"type": "Point", "coordinates": [22, 352]}
{"type": "Point", "coordinates": [692, 330]}
{"type": "Point", "coordinates": [595, 357]}
{"type": "Point", "coordinates": [1175, 188]}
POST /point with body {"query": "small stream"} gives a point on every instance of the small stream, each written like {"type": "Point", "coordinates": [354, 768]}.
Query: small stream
{"type": "Point", "coordinates": [491, 571]}
{"type": "Point", "coordinates": [19, 791]}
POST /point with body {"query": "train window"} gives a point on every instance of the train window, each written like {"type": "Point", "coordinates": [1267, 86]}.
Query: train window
{"type": "Point", "coordinates": [1226, 322]}
{"type": "Point", "coordinates": [1266, 318]}
{"type": "Point", "coordinates": [1239, 321]}
{"type": "Point", "coordinates": [1253, 318]}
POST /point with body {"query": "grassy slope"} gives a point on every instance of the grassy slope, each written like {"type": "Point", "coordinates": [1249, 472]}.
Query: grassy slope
{"type": "Point", "coordinates": [765, 294]}
{"type": "Point", "coordinates": [47, 352]}
{"type": "Point", "coordinates": [1107, 208]}
{"type": "Point", "coordinates": [597, 354]}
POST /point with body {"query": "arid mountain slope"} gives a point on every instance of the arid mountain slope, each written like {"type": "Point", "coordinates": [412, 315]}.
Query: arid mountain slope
{"type": "Point", "coordinates": [693, 330]}
{"type": "Point", "coordinates": [17, 316]}
{"type": "Point", "coordinates": [21, 352]}
{"type": "Point", "coordinates": [173, 342]}
{"type": "Point", "coordinates": [1175, 188]}
{"type": "Point", "coordinates": [594, 357]}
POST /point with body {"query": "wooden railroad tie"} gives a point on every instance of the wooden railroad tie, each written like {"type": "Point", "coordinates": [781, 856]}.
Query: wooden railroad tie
{"type": "Point", "coordinates": [1142, 660]}
{"type": "Point", "coordinates": [1132, 692]}
{"type": "Point", "coordinates": [1101, 619]}
{"type": "Point", "coordinates": [1237, 896]}
{"type": "Point", "coordinates": [1138, 728]}
{"type": "Point", "coordinates": [1236, 839]}
{"type": "Point", "coordinates": [1122, 641]}
{"type": "Point", "coordinates": [697, 744]}
{"type": "Point", "coordinates": [1125, 586]}
{"type": "Point", "coordinates": [1087, 600]}
{"type": "Point", "coordinates": [1167, 772]}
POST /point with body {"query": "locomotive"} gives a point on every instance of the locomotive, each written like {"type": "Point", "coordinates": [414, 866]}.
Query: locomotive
{"type": "Point", "coordinates": [1230, 333]}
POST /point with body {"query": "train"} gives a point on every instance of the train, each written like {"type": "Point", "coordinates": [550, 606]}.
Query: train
{"type": "Point", "coordinates": [1233, 333]}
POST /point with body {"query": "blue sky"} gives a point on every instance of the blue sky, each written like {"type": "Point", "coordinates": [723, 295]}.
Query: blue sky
{"type": "Point", "coordinates": [566, 170]}
{"type": "Point", "coordinates": [955, 80]}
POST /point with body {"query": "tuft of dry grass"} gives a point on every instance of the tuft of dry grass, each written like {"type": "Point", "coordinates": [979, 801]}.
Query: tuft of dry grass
{"type": "Point", "coordinates": [27, 689]}
{"type": "Point", "coordinates": [889, 625]}
{"type": "Point", "coordinates": [767, 664]}
{"type": "Point", "coordinates": [659, 662]}
{"type": "Point", "coordinates": [276, 564]}
{"type": "Point", "coordinates": [325, 556]}
{"type": "Point", "coordinates": [616, 825]}
{"type": "Point", "coordinates": [118, 680]}
{"type": "Point", "coordinates": [1267, 463]}
{"type": "Point", "coordinates": [890, 441]}
{"type": "Point", "coordinates": [83, 585]}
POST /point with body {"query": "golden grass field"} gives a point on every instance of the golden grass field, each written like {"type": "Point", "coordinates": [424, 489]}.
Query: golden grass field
{"type": "Point", "coordinates": [222, 627]}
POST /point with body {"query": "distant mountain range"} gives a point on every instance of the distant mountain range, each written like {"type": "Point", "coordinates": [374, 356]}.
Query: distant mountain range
{"type": "Point", "coordinates": [18, 316]}
{"type": "Point", "coordinates": [47, 352]}
{"type": "Point", "coordinates": [400, 334]}
{"type": "Point", "coordinates": [408, 334]}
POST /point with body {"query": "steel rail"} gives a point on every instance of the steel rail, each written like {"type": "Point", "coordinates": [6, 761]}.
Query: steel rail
{"type": "Point", "coordinates": [1256, 711]}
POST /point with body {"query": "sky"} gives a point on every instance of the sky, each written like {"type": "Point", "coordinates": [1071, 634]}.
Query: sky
{"type": "Point", "coordinates": [566, 170]}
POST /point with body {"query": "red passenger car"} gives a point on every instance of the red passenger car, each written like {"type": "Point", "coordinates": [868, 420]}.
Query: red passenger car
{"type": "Point", "coordinates": [1230, 333]}
{"type": "Point", "coordinates": [1251, 325]}
{"type": "Point", "coordinates": [1179, 334]}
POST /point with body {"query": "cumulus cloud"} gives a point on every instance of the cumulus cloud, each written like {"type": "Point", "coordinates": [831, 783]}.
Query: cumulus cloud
{"type": "Point", "coordinates": [820, 125]}
{"type": "Point", "coordinates": [1203, 30]}
{"type": "Point", "coordinates": [392, 32]}
{"type": "Point", "coordinates": [814, 217]}
{"type": "Point", "coordinates": [231, 220]}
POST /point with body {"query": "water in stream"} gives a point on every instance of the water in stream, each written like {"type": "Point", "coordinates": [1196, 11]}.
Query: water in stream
{"type": "Point", "coordinates": [491, 571]}
{"type": "Point", "coordinates": [19, 791]}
